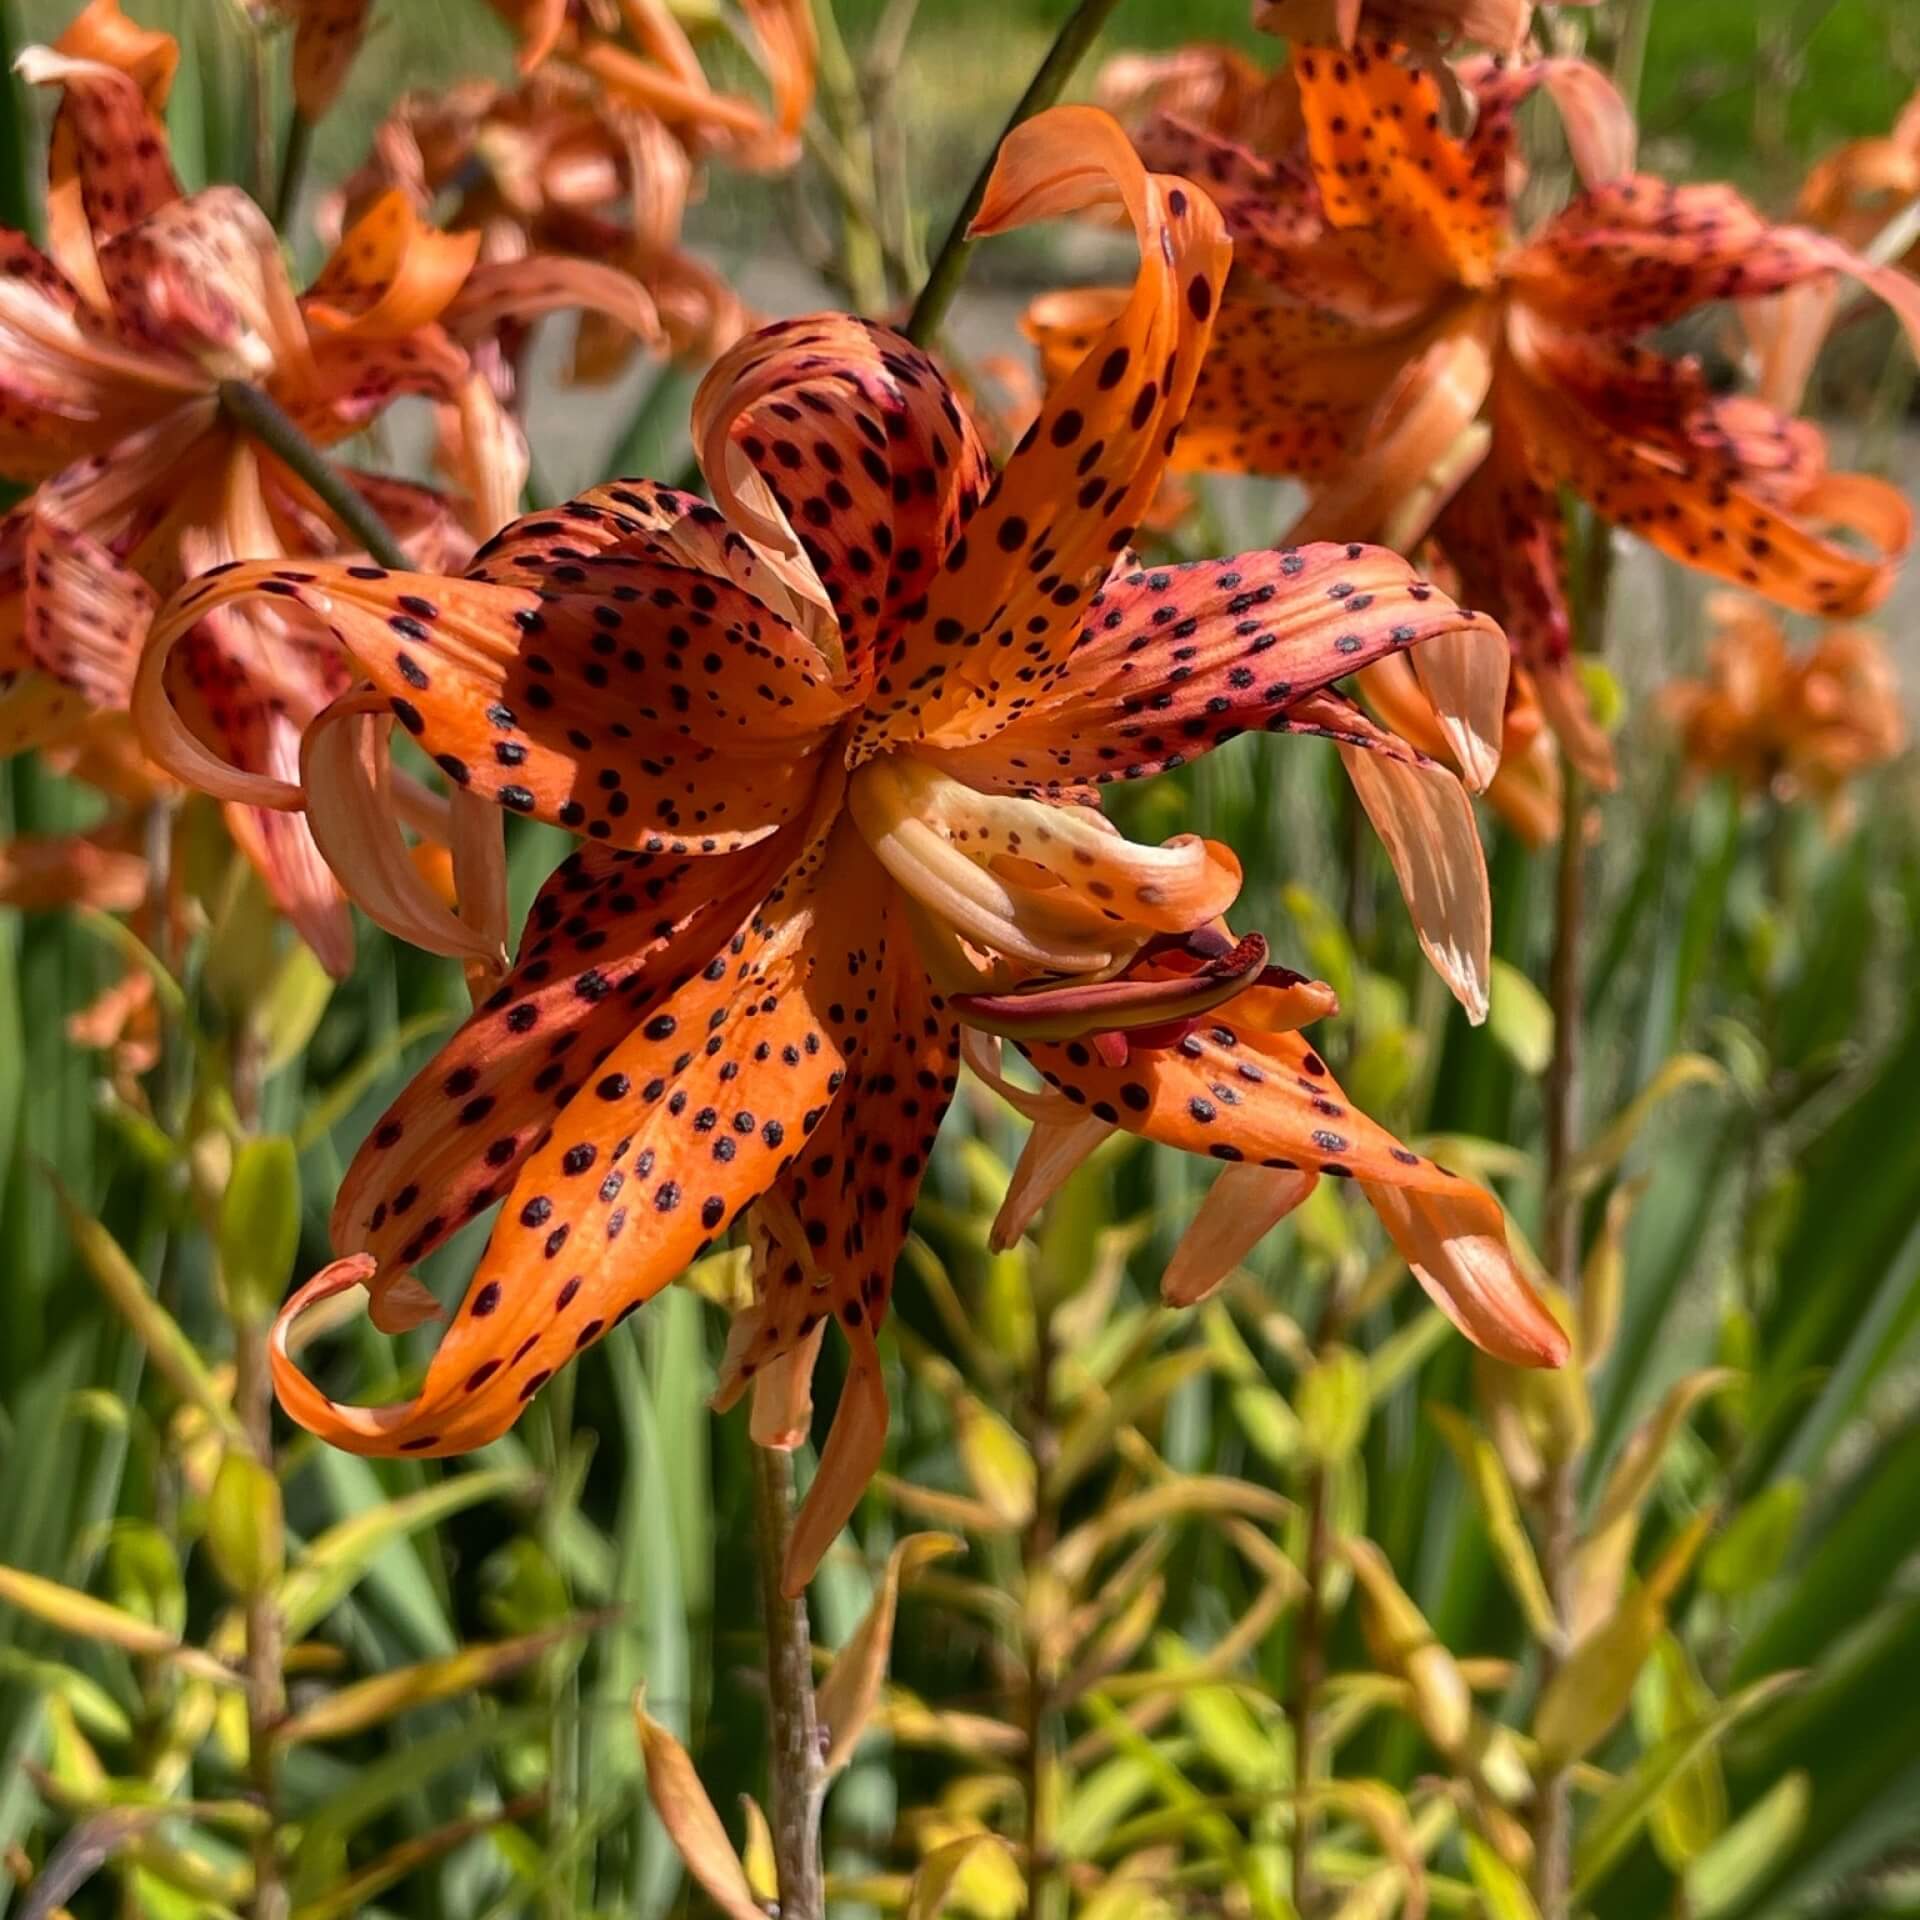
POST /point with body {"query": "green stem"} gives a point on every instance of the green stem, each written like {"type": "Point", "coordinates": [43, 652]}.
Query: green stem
{"type": "Point", "coordinates": [1079, 31]}
{"type": "Point", "coordinates": [293, 171]}
{"type": "Point", "coordinates": [258, 415]}
{"type": "Point", "coordinates": [799, 1766]}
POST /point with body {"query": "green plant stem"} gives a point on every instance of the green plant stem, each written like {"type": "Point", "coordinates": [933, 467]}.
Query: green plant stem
{"type": "Point", "coordinates": [266, 1684]}
{"type": "Point", "coordinates": [1309, 1672]}
{"type": "Point", "coordinates": [862, 257]}
{"type": "Point", "coordinates": [799, 1766]}
{"type": "Point", "coordinates": [1046, 1889]}
{"type": "Point", "coordinates": [1566, 992]}
{"type": "Point", "coordinates": [293, 171]}
{"type": "Point", "coordinates": [261, 417]}
{"type": "Point", "coordinates": [1077, 33]}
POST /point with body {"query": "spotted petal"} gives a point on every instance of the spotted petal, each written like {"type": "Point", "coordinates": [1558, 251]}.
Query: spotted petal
{"type": "Point", "coordinates": [1003, 618]}
{"type": "Point", "coordinates": [868, 455]}
{"type": "Point", "coordinates": [691, 1116]}
{"type": "Point", "coordinates": [1266, 1100]}
{"type": "Point", "coordinates": [508, 688]}
{"type": "Point", "coordinates": [1174, 661]}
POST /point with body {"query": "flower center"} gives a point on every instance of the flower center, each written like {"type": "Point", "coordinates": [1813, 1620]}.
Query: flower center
{"type": "Point", "coordinates": [1008, 891]}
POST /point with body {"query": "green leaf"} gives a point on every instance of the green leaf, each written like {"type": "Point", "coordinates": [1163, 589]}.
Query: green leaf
{"type": "Point", "coordinates": [246, 1534]}
{"type": "Point", "coordinates": [1519, 1018]}
{"type": "Point", "coordinates": [1757, 1539]}
{"type": "Point", "coordinates": [1503, 1894]}
{"type": "Point", "coordinates": [260, 1225]}
{"type": "Point", "coordinates": [1333, 1400]}
{"type": "Point", "coordinates": [1616, 1820]}
{"type": "Point", "coordinates": [1746, 1855]}
{"type": "Point", "coordinates": [1480, 1466]}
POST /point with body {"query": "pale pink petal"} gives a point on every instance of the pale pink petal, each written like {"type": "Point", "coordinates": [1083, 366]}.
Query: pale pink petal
{"type": "Point", "coordinates": [1242, 1207]}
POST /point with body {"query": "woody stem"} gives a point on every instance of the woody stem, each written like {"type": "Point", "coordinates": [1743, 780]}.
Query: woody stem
{"type": "Point", "coordinates": [1077, 33]}
{"type": "Point", "coordinates": [262, 419]}
{"type": "Point", "coordinates": [1566, 991]}
{"type": "Point", "coordinates": [799, 1766]}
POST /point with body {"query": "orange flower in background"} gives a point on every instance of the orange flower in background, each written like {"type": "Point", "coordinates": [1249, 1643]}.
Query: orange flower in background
{"type": "Point", "coordinates": [641, 55]}
{"type": "Point", "coordinates": [326, 37]}
{"type": "Point", "coordinates": [112, 355]}
{"type": "Point", "coordinates": [1793, 727]}
{"type": "Point", "coordinates": [1389, 338]}
{"type": "Point", "coordinates": [554, 166]}
{"type": "Point", "coordinates": [833, 749]}
{"type": "Point", "coordinates": [1859, 193]}
{"type": "Point", "coordinates": [1500, 24]}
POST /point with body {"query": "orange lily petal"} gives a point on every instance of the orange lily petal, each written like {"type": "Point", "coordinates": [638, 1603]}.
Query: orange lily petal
{"type": "Point", "coordinates": [1003, 616]}
{"type": "Point", "coordinates": [391, 272]}
{"type": "Point", "coordinates": [41, 870]}
{"type": "Point", "coordinates": [1241, 1208]}
{"type": "Point", "coordinates": [1425, 821]}
{"type": "Point", "coordinates": [1383, 160]}
{"type": "Point", "coordinates": [107, 165]}
{"type": "Point", "coordinates": [608, 937]}
{"type": "Point", "coordinates": [1640, 252]}
{"type": "Point", "coordinates": [868, 455]}
{"type": "Point", "coordinates": [326, 36]}
{"type": "Point", "coordinates": [1174, 661]}
{"type": "Point", "coordinates": [1266, 1099]}
{"type": "Point", "coordinates": [686, 1124]}
{"type": "Point", "coordinates": [851, 1197]}
{"type": "Point", "coordinates": [506, 688]}
{"type": "Point", "coordinates": [1601, 135]}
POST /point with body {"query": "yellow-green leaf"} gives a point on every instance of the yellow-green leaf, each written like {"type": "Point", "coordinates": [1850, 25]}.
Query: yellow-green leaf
{"type": "Point", "coordinates": [1606, 1152]}
{"type": "Point", "coordinates": [1405, 1643]}
{"type": "Point", "coordinates": [260, 1224]}
{"type": "Point", "coordinates": [246, 1534]}
{"type": "Point", "coordinates": [1332, 1401]}
{"type": "Point", "coordinates": [691, 1822]}
{"type": "Point", "coordinates": [845, 1699]}
{"type": "Point", "coordinates": [1756, 1541]}
{"type": "Point", "coordinates": [1503, 1894]}
{"type": "Point", "coordinates": [1690, 1812]}
{"type": "Point", "coordinates": [80, 1614]}
{"type": "Point", "coordinates": [1744, 1856]}
{"type": "Point", "coordinates": [1486, 1478]}
{"type": "Point", "coordinates": [996, 1462]}
{"type": "Point", "coordinates": [370, 1703]}
{"type": "Point", "coordinates": [1519, 1018]}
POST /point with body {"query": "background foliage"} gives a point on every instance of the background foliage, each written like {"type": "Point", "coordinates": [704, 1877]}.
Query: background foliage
{"type": "Point", "coordinates": [1147, 1510]}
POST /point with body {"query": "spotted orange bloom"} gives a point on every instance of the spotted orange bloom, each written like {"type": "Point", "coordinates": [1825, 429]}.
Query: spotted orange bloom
{"type": "Point", "coordinates": [1500, 24]}
{"type": "Point", "coordinates": [556, 167]}
{"type": "Point", "coordinates": [112, 353]}
{"type": "Point", "coordinates": [1857, 194]}
{"type": "Point", "coordinates": [1793, 727]}
{"type": "Point", "coordinates": [833, 748]}
{"type": "Point", "coordinates": [639, 53]}
{"type": "Point", "coordinates": [1389, 338]}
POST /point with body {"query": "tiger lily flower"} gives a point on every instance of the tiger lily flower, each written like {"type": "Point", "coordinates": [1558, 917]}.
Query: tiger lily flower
{"type": "Point", "coordinates": [326, 37]}
{"type": "Point", "coordinates": [112, 356]}
{"type": "Point", "coordinates": [1862, 193]}
{"type": "Point", "coordinates": [553, 166]}
{"type": "Point", "coordinates": [642, 58]}
{"type": "Point", "coordinates": [1501, 25]}
{"type": "Point", "coordinates": [832, 747]}
{"type": "Point", "coordinates": [1793, 728]}
{"type": "Point", "coordinates": [1390, 338]}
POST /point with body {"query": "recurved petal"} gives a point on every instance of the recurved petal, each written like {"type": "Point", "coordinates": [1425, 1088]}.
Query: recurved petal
{"type": "Point", "coordinates": [391, 272]}
{"type": "Point", "coordinates": [203, 279]}
{"type": "Point", "coordinates": [712, 741]}
{"type": "Point", "coordinates": [1173, 661]}
{"type": "Point", "coordinates": [1640, 252]}
{"type": "Point", "coordinates": [1455, 1242]}
{"type": "Point", "coordinates": [870, 458]}
{"type": "Point", "coordinates": [326, 36]}
{"type": "Point", "coordinates": [608, 937]}
{"type": "Point", "coordinates": [1383, 158]}
{"type": "Point", "coordinates": [828, 1236]}
{"type": "Point", "coordinates": [107, 164]}
{"type": "Point", "coordinates": [1003, 617]}
{"type": "Point", "coordinates": [687, 1122]}
{"type": "Point", "coordinates": [1241, 1208]}
{"type": "Point", "coordinates": [1601, 134]}
{"type": "Point", "coordinates": [1425, 821]}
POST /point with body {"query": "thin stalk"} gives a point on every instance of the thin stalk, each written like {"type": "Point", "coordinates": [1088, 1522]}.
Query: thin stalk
{"type": "Point", "coordinates": [799, 1766]}
{"type": "Point", "coordinates": [261, 417]}
{"type": "Point", "coordinates": [293, 171]}
{"type": "Point", "coordinates": [1309, 1673]}
{"type": "Point", "coordinates": [1566, 993]}
{"type": "Point", "coordinates": [862, 255]}
{"type": "Point", "coordinates": [266, 1684]}
{"type": "Point", "coordinates": [1046, 1887]}
{"type": "Point", "coordinates": [259, 116]}
{"type": "Point", "coordinates": [1077, 33]}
